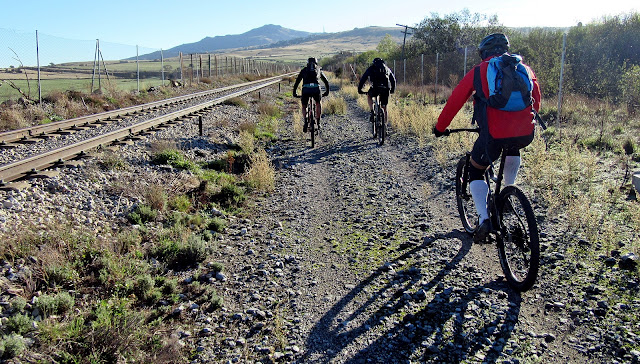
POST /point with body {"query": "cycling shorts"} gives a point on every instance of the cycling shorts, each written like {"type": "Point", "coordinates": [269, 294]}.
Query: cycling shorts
{"type": "Point", "coordinates": [383, 92]}
{"type": "Point", "coordinates": [308, 92]}
{"type": "Point", "coordinates": [487, 149]}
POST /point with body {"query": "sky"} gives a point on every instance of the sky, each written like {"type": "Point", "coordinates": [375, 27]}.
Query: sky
{"type": "Point", "coordinates": [162, 24]}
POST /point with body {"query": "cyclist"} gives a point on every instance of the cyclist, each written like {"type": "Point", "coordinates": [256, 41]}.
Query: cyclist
{"type": "Point", "coordinates": [383, 83]}
{"type": "Point", "coordinates": [310, 76]}
{"type": "Point", "coordinates": [513, 129]}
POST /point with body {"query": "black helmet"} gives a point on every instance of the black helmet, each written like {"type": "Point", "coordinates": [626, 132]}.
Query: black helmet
{"type": "Point", "coordinates": [496, 43]}
{"type": "Point", "coordinates": [312, 60]}
{"type": "Point", "coordinates": [378, 60]}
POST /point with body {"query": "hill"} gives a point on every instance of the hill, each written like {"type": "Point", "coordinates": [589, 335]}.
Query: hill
{"type": "Point", "coordinates": [319, 45]}
{"type": "Point", "coordinates": [262, 36]}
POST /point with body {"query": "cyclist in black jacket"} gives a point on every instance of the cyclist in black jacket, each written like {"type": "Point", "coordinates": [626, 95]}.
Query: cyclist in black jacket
{"type": "Point", "coordinates": [310, 76]}
{"type": "Point", "coordinates": [383, 82]}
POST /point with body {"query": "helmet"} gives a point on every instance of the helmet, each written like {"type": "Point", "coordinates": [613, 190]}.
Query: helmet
{"type": "Point", "coordinates": [312, 60]}
{"type": "Point", "coordinates": [378, 60]}
{"type": "Point", "coordinates": [496, 43]}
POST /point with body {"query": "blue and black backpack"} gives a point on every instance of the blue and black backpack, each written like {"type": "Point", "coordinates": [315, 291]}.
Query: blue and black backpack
{"type": "Point", "coordinates": [510, 83]}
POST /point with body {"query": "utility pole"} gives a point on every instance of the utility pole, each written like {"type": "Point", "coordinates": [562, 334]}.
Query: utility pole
{"type": "Point", "coordinates": [405, 32]}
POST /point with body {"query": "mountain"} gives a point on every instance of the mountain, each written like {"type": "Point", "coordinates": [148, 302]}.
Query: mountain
{"type": "Point", "coordinates": [319, 45]}
{"type": "Point", "coordinates": [262, 36]}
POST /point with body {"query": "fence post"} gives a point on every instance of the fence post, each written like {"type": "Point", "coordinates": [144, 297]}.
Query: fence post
{"type": "Point", "coordinates": [181, 67]}
{"type": "Point", "coordinates": [465, 61]}
{"type": "Point", "coordinates": [162, 65]}
{"type": "Point", "coordinates": [137, 68]}
{"type": "Point", "coordinates": [38, 59]}
{"type": "Point", "coordinates": [422, 70]}
{"type": "Point", "coordinates": [564, 48]}
{"type": "Point", "coordinates": [200, 124]}
{"type": "Point", "coordinates": [435, 88]}
{"type": "Point", "coordinates": [404, 71]}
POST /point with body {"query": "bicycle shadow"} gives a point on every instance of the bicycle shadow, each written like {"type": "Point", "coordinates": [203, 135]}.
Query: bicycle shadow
{"type": "Point", "coordinates": [438, 329]}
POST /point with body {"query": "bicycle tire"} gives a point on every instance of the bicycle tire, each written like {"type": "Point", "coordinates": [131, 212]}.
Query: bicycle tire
{"type": "Point", "coordinates": [375, 121]}
{"type": "Point", "coordinates": [464, 201]}
{"type": "Point", "coordinates": [518, 239]}
{"type": "Point", "coordinates": [382, 129]}
{"type": "Point", "coordinates": [312, 123]}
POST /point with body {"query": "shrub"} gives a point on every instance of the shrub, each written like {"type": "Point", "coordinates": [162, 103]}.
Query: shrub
{"type": "Point", "coordinates": [181, 203]}
{"type": "Point", "coordinates": [176, 254]}
{"type": "Point", "coordinates": [143, 214]}
{"type": "Point", "coordinates": [19, 324]}
{"type": "Point", "coordinates": [269, 110]}
{"type": "Point", "coordinates": [335, 106]}
{"type": "Point", "coordinates": [18, 304]}
{"type": "Point", "coordinates": [230, 196]}
{"type": "Point", "coordinates": [235, 101]}
{"type": "Point", "coordinates": [174, 158]}
{"type": "Point", "coordinates": [61, 273]}
{"type": "Point", "coordinates": [261, 174]}
{"type": "Point", "coordinates": [11, 345]}
{"type": "Point", "coordinates": [217, 224]}
{"type": "Point", "coordinates": [55, 304]}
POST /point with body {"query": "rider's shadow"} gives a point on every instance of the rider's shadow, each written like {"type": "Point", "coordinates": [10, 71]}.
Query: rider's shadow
{"type": "Point", "coordinates": [443, 330]}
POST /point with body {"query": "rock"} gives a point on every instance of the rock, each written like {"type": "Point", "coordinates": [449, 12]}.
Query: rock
{"type": "Point", "coordinates": [628, 261]}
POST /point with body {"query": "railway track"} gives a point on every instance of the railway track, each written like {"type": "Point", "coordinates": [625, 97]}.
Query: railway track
{"type": "Point", "coordinates": [26, 166]}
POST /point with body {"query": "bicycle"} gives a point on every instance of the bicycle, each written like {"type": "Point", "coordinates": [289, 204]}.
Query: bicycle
{"type": "Point", "coordinates": [378, 126]}
{"type": "Point", "coordinates": [311, 120]}
{"type": "Point", "coordinates": [513, 221]}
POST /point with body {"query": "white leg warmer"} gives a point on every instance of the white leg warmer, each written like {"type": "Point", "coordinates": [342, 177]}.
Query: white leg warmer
{"type": "Point", "coordinates": [479, 192]}
{"type": "Point", "coordinates": [511, 166]}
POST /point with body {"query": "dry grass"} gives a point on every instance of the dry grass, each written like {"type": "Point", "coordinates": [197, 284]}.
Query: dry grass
{"type": "Point", "coordinates": [334, 105]}
{"type": "Point", "coordinates": [297, 124]}
{"type": "Point", "coordinates": [246, 141]}
{"type": "Point", "coordinates": [261, 174]}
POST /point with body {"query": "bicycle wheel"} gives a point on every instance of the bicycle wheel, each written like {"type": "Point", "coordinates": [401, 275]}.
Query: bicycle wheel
{"type": "Point", "coordinates": [518, 239]}
{"type": "Point", "coordinates": [466, 207]}
{"type": "Point", "coordinates": [375, 120]}
{"type": "Point", "coordinates": [312, 123]}
{"type": "Point", "coordinates": [382, 128]}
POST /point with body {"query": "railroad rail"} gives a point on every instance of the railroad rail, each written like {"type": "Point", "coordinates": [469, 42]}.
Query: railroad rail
{"type": "Point", "coordinates": [24, 168]}
{"type": "Point", "coordinates": [30, 134]}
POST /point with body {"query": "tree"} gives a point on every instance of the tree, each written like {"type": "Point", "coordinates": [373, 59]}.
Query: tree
{"type": "Point", "coordinates": [452, 32]}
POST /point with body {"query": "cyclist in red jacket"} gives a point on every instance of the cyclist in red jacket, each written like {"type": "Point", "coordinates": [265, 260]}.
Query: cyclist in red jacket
{"type": "Point", "coordinates": [310, 77]}
{"type": "Point", "coordinates": [513, 129]}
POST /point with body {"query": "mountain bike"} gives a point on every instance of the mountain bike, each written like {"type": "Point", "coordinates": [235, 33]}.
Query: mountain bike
{"type": "Point", "coordinates": [513, 221]}
{"type": "Point", "coordinates": [378, 126]}
{"type": "Point", "coordinates": [312, 128]}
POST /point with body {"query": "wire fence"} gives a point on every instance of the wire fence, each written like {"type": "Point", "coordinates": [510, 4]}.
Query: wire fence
{"type": "Point", "coordinates": [34, 65]}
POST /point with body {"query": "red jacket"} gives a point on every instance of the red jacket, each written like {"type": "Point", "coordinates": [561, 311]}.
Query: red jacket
{"type": "Point", "coordinates": [502, 124]}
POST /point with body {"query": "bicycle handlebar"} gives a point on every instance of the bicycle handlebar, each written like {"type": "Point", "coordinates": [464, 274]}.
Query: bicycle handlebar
{"type": "Point", "coordinates": [472, 130]}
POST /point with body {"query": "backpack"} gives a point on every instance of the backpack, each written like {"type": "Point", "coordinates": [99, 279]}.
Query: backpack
{"type": "Point", "coordinates": [312, 74]}
{"type": "Point", "coordinates": [380, 75]}
{"type": "Point", "coordinates": [510, 83]}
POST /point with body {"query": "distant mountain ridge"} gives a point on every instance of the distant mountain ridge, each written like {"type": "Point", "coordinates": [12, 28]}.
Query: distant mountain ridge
{"type": "Point", "coordinates": [263, 36]}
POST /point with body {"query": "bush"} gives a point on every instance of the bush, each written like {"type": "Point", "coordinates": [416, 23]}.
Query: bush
{"type": "Point", "coordinates": [56, 304]}
{"type": "Point", "coordinates": [174, 158]}
{"type": "Point", "coordinates": [11, 346]}
{"type": "Point", "coordinates": [177, 254]}
{"type": "Point", "coordinates": [217, 224]}
{"type": "Point", "coordinates": [230, 196]}
{"type": "Point", "coordinates": [19, 324]}
{"type": "Point", "coordinates": [235, 101]}
{"type": "Point", "coordinates": [143, 214]}
{"type": "Point", "coordinates": [335, 106]}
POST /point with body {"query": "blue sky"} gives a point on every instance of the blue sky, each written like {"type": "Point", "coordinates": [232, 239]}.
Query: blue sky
{"type": "Point", "coordinates": [161, 24]}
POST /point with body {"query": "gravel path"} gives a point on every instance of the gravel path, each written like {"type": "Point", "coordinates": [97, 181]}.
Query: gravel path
{"type": "Point", "coordinates": [358, 256]}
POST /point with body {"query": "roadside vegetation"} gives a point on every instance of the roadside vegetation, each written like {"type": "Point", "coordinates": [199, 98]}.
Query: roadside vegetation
{"type": "Point", "coordinates": [83, 298]}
